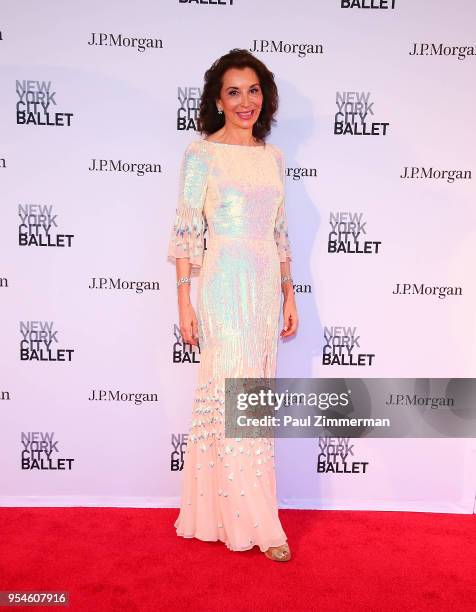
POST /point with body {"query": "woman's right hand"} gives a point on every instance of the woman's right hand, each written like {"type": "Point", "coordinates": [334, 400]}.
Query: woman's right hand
{"type": "Point", "coordinates": [188, 324]}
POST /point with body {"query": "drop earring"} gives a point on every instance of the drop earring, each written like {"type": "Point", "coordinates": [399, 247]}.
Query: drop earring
{"type": "Point", "coordinates": [219, 111]}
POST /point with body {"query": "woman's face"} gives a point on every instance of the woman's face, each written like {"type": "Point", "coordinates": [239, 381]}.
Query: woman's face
{"type": "Point", "coordinates": [241, 97]}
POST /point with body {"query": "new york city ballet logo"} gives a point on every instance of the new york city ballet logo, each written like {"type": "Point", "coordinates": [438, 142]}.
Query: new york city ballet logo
{"type": "Point", "coordinates": [337, 456]}
{"type": "Point", "coordinates": [39, 451]}
{"type": "Point", "coordinates": [36, 105]}
{"type": "Point", "coordinates": [188, 99]}
{"type": "Point", "coordinates": [342, 347]}
{"type": "Point", "coordinates": [39, 342]}
{"type": "Point", "coordinates": [39, 227]}
{"type": "Point", "coordinates": [183, 352]}
{"type": "Point", "coordinates": [177, 454]}
{"type": "Point", "coordinates": [348, 234]}
{"type": "Point", "coordinates": [368, 4]}
{"type": "Point", "coordinates": [355, 115]}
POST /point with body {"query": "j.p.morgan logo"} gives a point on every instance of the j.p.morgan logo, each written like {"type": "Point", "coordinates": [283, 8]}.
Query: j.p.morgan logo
{"type": "Point", "coordinates": [459, 51]}
{"type": "Point", "coordinates": [39, 227]}
{"type": "Point", "coordinates": [39, 342]}
{"type": "Point", "coordinates": [126, 397]}
{"type": "Point", "coordinates": [39, 451]}
{"type": "Point", "coordinates": [298, 173]}
{"type": "Point", "coordinates": [125, 167]}
{"type": "Point", "coordinates": [342, 347]}
{"type": "Point", "coordinates": [354, 115]}
{"type": "Point", "coordinates": [188, 106]}
{"type": "Point", "coordinates": [440, 291]}
{"type": "Point", "coordinates": [102, 39]}
{"type": "Point", "coordinates": [348, 234]}
{"type": "Point", "coordinates": [36, 105]}
{"type": "Point", "coordinates": [183, 352]}
{"type": "Point", "coordinates": [122, 284]}
{"type": "Point", "coordinates": [177, 454]}
{"type": "Point", "coordinates": [337, 456]}
{"type": "Point", "coordinates": [291, 48]}
{"type": "Point", "coordinates": [450, 176]}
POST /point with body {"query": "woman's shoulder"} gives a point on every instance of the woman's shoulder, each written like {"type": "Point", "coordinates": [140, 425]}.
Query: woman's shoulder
{"type": "Point", "coordinates": [197, 150]}
{"type": "Point", "coordinates": [277, 151]}
{"type": "Point", "coordinates": [197, 145]}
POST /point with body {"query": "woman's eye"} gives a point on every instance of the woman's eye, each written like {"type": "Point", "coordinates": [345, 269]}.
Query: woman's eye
{"type": "Point", "coordinates": [253, 90]}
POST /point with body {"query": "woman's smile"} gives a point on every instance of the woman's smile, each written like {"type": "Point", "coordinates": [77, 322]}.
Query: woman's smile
{"type": "Point", "coordinates": [245, 115]}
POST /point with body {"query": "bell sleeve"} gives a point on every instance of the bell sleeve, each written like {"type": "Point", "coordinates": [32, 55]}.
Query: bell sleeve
{"type": "Point", "coordinates": [281, 225]}
{"type": "Point", "coordinates": [186, 239]}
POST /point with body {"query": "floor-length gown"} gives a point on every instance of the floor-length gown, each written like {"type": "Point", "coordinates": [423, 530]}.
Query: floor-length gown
{"type": "Point", "coordinates": [237, 193]}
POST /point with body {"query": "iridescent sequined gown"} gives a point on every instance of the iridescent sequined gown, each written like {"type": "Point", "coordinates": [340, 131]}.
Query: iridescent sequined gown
{"type": "Point", "coordinates": [237, 192]}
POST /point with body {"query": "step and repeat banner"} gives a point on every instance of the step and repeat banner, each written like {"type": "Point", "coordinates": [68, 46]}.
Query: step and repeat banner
{"type": "Point", "coordinates": [376, 120]}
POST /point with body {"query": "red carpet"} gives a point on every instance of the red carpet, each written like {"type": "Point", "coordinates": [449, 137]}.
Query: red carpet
{"type": "Point", "coordinates": [131, 559]}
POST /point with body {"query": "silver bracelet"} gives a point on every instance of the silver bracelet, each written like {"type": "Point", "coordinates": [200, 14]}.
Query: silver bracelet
{"type": "Point", "coordinates": [184, 280]}
{"type": "Point", "coordinates": [286, 277]}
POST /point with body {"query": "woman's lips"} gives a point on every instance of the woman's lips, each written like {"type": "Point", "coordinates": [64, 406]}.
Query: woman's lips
{"type": "Point", "coordinates": [246, 115]}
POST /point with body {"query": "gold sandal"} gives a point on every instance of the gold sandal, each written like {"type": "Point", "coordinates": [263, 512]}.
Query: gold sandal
{"type": "Point", "coordinates": [278, 553]}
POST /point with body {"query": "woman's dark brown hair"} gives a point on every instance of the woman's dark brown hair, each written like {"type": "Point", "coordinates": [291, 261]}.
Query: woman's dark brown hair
{"type": "Point", "coordinates": [209, 120]}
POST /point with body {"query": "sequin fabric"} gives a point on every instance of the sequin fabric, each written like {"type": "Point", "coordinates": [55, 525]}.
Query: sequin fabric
{"type": "Point", "coordinates": [236, 193]}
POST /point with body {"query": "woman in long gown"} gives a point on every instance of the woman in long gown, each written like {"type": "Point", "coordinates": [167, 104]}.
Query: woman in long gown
{"type": "Point", "coordinates": [232, 185]}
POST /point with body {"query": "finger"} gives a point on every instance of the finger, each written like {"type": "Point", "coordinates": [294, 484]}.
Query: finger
{"type": "Point", "coordinates": [293, 328]}
{"type": "Point", "coordinates": [286, 328]}
{"type": "Point", "coordinates": [187, 336]}
{"type": "Point", "coordinates": [194, 328]}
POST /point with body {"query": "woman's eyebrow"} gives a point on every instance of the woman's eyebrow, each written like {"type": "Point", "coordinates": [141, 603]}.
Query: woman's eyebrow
{"type": "Point", "coordinates": [236, 86]}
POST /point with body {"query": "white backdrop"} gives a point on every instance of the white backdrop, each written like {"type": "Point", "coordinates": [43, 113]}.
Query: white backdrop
{"type": "Point", "coordinates": [90, 219]}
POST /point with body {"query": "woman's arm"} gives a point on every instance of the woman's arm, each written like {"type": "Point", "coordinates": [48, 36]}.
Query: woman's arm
{"type": "Point", "coordinates": [290, 316]}
{"type": "Point", "coordinates": [285, 256]}
{"type": "Point", "coordinates": [186, 244]}
{"type": "Point", "coordinates": [187, 317]}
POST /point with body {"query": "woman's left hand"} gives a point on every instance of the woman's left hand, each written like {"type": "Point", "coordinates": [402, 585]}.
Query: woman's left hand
{"type": "Point", "coordinates": [290, 317]}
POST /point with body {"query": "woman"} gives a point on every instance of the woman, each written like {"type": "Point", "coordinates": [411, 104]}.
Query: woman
{"type": "Point", "coordinates": [232, 183]}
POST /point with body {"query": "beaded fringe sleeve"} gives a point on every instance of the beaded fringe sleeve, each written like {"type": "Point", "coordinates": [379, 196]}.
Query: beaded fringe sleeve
{"type": "Point", "coordinates": [281, 227]}
{"type": "Point", "coordinates": [189, 226]}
